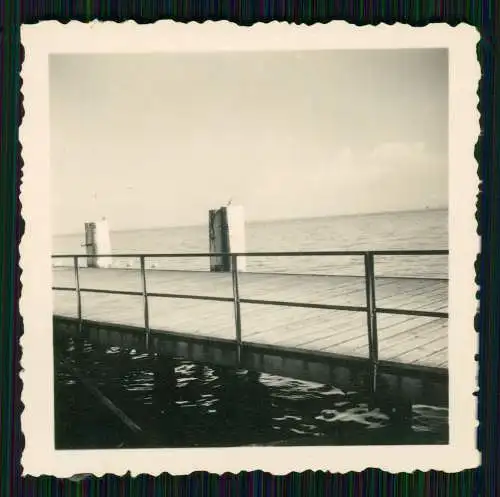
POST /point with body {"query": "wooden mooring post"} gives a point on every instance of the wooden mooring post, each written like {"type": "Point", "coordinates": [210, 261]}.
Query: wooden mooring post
{"type": "Point", "coordinates": [226, 228]}
{"type": "Point", "coordinates": [97, 242]}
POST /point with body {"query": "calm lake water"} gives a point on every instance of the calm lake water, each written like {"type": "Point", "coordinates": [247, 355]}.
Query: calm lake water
{"type": "Point", "coordinates": [389, 231]}
{"type": "Point", "coordinates": [197, 405]}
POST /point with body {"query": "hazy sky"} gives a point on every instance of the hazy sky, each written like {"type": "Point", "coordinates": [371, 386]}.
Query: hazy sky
{"type": "Point", "coordinates": [159, 139]}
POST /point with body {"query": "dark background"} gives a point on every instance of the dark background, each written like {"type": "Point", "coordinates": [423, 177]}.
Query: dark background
{"type": "Point", "coordinates": [482, 14]}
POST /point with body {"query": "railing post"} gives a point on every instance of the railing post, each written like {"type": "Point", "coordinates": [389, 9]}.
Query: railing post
{"type": "Point", "coordinates": [371, 311]}
{"type": "Point", "coordinates": [237, 306]}
{"type": "Point", "coordinates": [78, 292]}
{"type": "Point", "coordinates": [145, 298]}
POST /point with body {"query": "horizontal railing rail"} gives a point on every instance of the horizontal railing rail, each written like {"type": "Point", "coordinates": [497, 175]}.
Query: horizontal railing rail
{"type": "Point", "coordinates": [318, 253]}
{"type": "Point", "coordinates": [370, 308]}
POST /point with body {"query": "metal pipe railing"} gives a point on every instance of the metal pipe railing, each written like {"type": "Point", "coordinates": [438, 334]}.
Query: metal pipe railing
{"type": "Point", "coordinates": [144, 294]}
{"type": "Point", "coordinates": [266, 254]}
{"type": "Point", "coordinates": [77, 288]}
{"type": "Point", "coordinates": [369, 275]}
{"type": "Point", "coordinates": [371, 311]}
{"type": "Point", "coordinates": [237, 306]}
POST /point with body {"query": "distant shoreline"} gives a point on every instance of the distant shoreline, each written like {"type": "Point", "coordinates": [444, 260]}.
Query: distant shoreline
{"type": "Point", "coordinates": [263, 221]}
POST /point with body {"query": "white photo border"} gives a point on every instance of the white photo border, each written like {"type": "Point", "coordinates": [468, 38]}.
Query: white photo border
{"type": "Point", "coordinates": [40, 40]}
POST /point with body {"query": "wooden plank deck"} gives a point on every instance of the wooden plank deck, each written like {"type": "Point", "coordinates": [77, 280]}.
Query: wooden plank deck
{"type": "Point", "coordinates": [407, 339]}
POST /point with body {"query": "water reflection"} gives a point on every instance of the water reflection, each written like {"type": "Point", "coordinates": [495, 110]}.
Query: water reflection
{"type": "Point", "coordinates": [182, 404]}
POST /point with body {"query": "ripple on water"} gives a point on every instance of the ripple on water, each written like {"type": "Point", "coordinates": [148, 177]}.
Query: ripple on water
{"type": "Point", "coordinates": [215, 406]}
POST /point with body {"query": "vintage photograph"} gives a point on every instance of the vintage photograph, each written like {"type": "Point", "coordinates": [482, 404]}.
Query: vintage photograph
{"type": "Point", "coordinates": [250, 248]}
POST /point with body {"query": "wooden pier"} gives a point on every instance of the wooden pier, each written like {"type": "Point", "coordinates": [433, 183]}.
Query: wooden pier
{"type": "Point", "coordinates": [382, 334]}
{"type": "Point", "coordinates": [407, 339]}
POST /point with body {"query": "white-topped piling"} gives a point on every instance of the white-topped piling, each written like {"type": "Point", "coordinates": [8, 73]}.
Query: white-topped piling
{"type": "Point", "coordinates": [98, 242]}
{"type": "Point", "coordinates": [226, 228]}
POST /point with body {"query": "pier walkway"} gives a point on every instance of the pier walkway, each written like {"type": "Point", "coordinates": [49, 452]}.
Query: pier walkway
{"type": "Point", "coordinates": [342, 330]}
{"type": "Point", "coordinates": [420, 340]}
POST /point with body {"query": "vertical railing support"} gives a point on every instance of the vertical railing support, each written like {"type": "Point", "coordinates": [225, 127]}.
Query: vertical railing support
{"type": "Point", "coordinates": [371, 312]}
{"type": "Point", "coordinates": [78, 292]}
{"type": "Point", "coordinates": [145, 298]}
{"type": "Point", "coordinates": [237, 306]}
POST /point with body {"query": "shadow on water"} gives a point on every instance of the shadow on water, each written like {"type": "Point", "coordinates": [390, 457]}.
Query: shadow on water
{"type": "Point", "coordinates": [178, 403]}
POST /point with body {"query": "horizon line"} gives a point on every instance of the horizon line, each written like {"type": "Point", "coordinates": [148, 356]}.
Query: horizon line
{"type": "Point", "coordinates": [269, 220]}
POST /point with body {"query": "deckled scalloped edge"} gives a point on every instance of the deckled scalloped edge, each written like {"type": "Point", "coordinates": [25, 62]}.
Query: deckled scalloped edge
{"type": "Point", "coordinates": [127, 22]}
